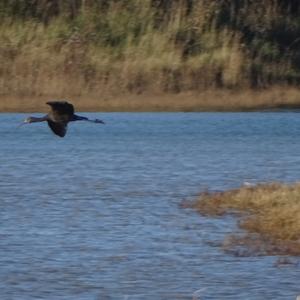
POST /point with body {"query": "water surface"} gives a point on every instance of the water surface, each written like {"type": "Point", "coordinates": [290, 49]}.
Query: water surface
{"type": "Point", "coordinates": [96, 215]}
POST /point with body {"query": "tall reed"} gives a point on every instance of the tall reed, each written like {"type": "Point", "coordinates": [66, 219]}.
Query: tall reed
{"type": "Point", "coordinates": [99, 47]}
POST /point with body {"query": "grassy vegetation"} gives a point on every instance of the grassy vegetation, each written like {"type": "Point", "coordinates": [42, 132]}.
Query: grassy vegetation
{"type": "Point", "coordinates": [207, 100]}
{"type": "Point", "coordinates": [270, 214]}
{"type": "Point", "coordinates": [99, 49]}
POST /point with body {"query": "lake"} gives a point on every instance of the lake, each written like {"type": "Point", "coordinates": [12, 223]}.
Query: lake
{"type": "Point", "coordinates": [96, 215]}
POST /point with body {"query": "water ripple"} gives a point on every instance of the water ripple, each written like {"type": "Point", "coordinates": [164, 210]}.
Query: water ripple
{"type": "Point", "coordinates": [96, 215]}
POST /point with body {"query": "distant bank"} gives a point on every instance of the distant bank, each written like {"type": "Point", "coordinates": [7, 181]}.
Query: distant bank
{"type": "Point", "coordinates": [210, 100]}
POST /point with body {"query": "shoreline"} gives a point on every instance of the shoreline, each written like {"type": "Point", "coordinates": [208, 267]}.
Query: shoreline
{"type": "Point", "coordinates": [217, 100]}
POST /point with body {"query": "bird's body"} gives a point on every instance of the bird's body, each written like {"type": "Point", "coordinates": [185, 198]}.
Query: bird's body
{"type": "Point", "coordinates": [61, 113]}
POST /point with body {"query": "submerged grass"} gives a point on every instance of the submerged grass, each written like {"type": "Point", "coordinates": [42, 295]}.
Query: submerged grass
{"type": "Point", "coordinates": [270, 214]}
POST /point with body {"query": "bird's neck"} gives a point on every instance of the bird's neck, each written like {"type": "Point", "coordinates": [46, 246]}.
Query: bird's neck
{"type": "Point", "coordinates": [38, 119]}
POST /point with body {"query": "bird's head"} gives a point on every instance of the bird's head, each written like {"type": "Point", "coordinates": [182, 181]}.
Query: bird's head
{"type": "Point", "coordinates": [28, 120]}
{"type": "Point", "coordinates": [32, 119]}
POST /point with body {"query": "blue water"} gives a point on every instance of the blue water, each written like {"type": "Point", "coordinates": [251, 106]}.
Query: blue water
{"type": "Point", "coordinates": [96, 215]}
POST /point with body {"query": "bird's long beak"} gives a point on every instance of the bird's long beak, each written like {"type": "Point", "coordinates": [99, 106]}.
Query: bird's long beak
{"type": "Point", "coordinates": [23, 123]}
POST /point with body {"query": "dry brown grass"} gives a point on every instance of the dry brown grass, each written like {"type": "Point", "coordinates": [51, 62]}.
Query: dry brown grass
{"type": "Point", "coordinates": [270, 215]}
{"type": "Point", "coordinates": [209, 100]}
{"type": "Point", "coordinates": [149, 55]}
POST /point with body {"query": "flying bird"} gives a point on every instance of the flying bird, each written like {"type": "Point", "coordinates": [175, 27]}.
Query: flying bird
{"type": "Point", "coordinates": [60, 114]}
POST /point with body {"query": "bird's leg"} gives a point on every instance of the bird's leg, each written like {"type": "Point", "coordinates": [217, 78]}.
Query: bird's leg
{"type": "Point", "coordinates": [96, 121]}
{"type": "Point", "coordinates": [80, 118]}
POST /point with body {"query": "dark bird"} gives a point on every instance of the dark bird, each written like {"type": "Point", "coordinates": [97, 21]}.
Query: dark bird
{"type": "Point", "coordinates": [60, 115]}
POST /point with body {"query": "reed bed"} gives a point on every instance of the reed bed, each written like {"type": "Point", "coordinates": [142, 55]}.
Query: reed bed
{"type": "Point", "coordinates": [269, 214]}
{"type": "Point", "coordinates": [275, 98]}
{"type": "Point", "coordinates": [103, 50]}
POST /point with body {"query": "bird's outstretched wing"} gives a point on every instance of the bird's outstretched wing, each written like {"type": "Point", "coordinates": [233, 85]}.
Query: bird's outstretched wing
{"type": "Point", "coordinates": [59, 128]}
{"type": "Point", "coordinates": [61, 107]}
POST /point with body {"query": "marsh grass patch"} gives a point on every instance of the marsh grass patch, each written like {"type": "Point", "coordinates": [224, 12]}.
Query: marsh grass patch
{"type": "Point", "coordinates": [268, 216]}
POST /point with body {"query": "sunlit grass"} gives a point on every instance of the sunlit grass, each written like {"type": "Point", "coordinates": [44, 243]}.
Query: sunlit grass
{"type": "Point", "coordinates": [270, 214]}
